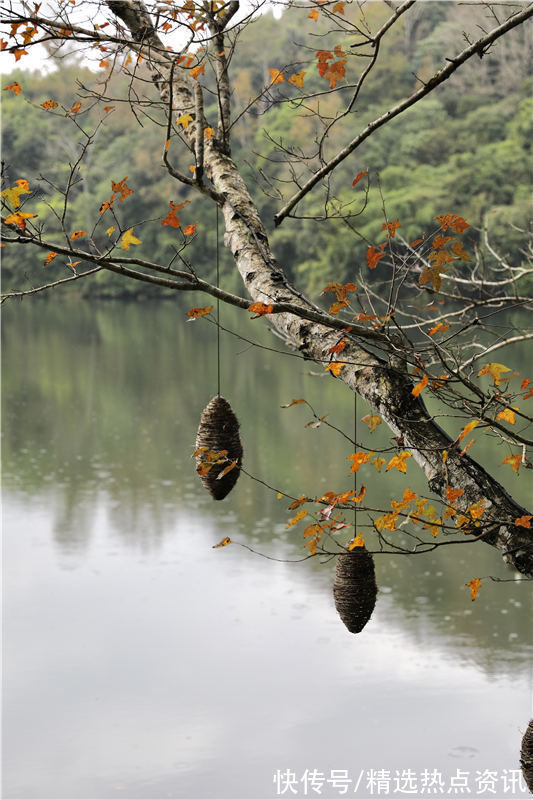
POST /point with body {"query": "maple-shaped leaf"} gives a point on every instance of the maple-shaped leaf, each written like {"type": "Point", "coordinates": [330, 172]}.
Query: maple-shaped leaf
{"type": "Point", "coordinates": [122, 188]}
{"type": "Point", "coordinates": [459, 251]}
{"type": "Point", "coordinates": [401, 505]}
{"type": "Point", "coordinates": [338, 8]}
{"type": "Point", "coordinates": [525, 521]}
{"type": "Point", "coordinates": [78, 234]}
{"type": "Point", "coordinates": [172, 216]}
{"type": "Point", "coordinates": [294, 403]}
{"type": "Point", "coordinates": [507, 415]}
{"type": "Point", "coordinates": [337, 306]}
{"type": "Point", "coordinates": [358, 459]}
{"type": "Point", "coordinates": [225, 541]}
{"type": "Point", "coordinates": [439, 241]}
{"type": "Point", "coordinates": [372, 420]}
{"type": "Point", "coordinates": [474, 585]}
{"type": "Point", "coordinates": [260, 309]}
{"type": "Point", "coordinates": [276, 76]}
{"type": "Point", "coordinates": [19, 218]}
{"type": "Point", "coordinates": [387, 522]}
{"type": "Point", "coordinates": [128, 239]}
{"type": "Point", "coordinates": [495, 371]}
{"type": "Point", "coordinates": [374, 256]}
{"type": "Point", "coordinates": [453, 222]}
{"type": "Point", "coordinates": [50, 257]}
{"type": "Point", "coordinates": [359, 177]}
{"type": "Point", "coordinates": [313, 14]}
{"type": "Point", "coordinates": [13, 192]}
{"type": "Point", "coordinates": [440, 257]}
{"type": "Point", "coordinates": [399, 460]}
{"type": "Point", "coordinates": [299, 516]}
{"type": "Point", "coordinates": [196, 71]}
{"type": "Point", "coordinates": [184, 120]}
{"type": "Point", "coordinates": [15, 87]}
{"type": "Point", "coordinates": [196, 312]}
{"type": "Point", "coordinates": [49, 104]}
{"type": "Point", "coordinates": [391, 227]}
{"type": "Point", "coordinates": [335, 367]}
{"type": "Point", "coordinates": [297, 79]}
{"type": "Point", "coordinates": [432, 275]}
{"type": "Point", "coordinates": [378, 462]}
{"type": "Point", "coordinates": [357, 541]}
{"type": "Point", "coordinates": [453, 494]}
{"type": "Point", "coordinates": [467, 429]}
{"type": "Point", "coordinates": [18, 53]}
{"type": "Point", "coordinates": [336, 72]}
{"type": "Point", "coordinates": [208, 132]}
{"type": "Point", "coordinates": [420, 386]}
{"type": "Point", "coordinates": [190, 229]}
{"type": "Point", "coordinates": [513, 461]}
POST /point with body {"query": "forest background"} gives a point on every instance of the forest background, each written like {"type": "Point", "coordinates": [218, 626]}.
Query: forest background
{"type": "Point", "coordinates": [445, 154]}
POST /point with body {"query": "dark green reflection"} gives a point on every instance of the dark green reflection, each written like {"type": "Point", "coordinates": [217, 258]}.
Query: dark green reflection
{"type": "Point", "coordinates": [101, 404]}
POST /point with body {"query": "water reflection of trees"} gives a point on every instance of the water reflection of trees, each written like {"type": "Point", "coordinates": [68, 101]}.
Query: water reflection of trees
{"type": "Point", "coordinates": [101, 407]}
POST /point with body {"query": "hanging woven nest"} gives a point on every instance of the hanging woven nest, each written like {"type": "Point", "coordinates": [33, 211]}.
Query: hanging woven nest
{"type": "Point", "coordinates": [354, 588]}
{"type": "Point", "coordinates": [218, 448]}
{"type": "Point", "coordinates": [526, 756]}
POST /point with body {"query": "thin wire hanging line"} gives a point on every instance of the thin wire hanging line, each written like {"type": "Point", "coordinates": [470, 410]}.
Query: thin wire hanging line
{"type": "Point", "coordinates": [218, 307]}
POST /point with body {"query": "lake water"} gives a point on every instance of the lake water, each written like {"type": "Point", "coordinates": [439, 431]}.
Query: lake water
{"type": "Point", "coordinates": [139, 662]}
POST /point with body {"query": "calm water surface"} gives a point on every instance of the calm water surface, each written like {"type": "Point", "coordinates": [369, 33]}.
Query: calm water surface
{"type": "Point", "coordinates": [141, 663]}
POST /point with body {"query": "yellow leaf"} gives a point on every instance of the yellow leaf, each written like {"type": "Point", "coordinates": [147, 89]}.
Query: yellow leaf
{"type": "Point", "coordinates": [196, 71]}
{"type": "Point", "coordinates": [297, 79]}
{"type": "Point", "coordinates": [372, 420]}
{"type": "Point", "coordinates": [335, 367]}
{"type": "Point", "coordinates": [495, 371]}
{"type": "Point", "coordinates": [358, 541]}
{"type": "Point", "coordinates": [474, 585]}
{"type": "Point", "coordinates": [14, 192]}
{"type": "Point", "coordinates": [378, 462]}
{"type": "Point", "coordinates": [299, 516]}
{"type": "Point", "coordinates": [19, 218]}
{"type": "Point", "coordinates": [357, 459]}
{"type": "Point", "coordinates": [399, 461]}
{"type": "Point", "coordinates": [387, 522]}
{"type": "Point", "coordinates": [276, 76]}
{"type": "Point", "coordinates": [184, 120]}
{"type": "Point", "coordinates": [444, 456]}
{"type": "Point", "coordinates": [507, 415]}
{"type": "Point", "coordinates": [128, 239]}
{"type": "Point", "coordinates": [223, 543]}
{"type": "Point", "coordinates": [467, 428]}
{"type": "Point", "coordinates": [476, 510]}
{"type": "Point", "coordinates": [110, 230]}
{"type": "Point", "coordinates": [513, 461]}
{"type": "Point", "coordinates": [227, 469]}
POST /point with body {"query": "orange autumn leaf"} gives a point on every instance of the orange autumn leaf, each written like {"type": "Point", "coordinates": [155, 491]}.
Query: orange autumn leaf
{"type": "Point", "coordinates": [440, 326]}
{"type": "Point", "coordinates": [459, 251]}
{"type": "Point", "coordinates": [453, 222]}
{"type": "Point", "coordinates": [50, 257]}
{"type": "Point", "coordinates": [78, 234]}
{"type": "Point", "coordinates": [18, 53]}
{"type": "Point", "coordinates": [299, 502]}
{"type": "Point", "coordinates": [358, 541]}
{"type": "Point", "coordinates": [196, 312]}
{"type": "Point", "coordinates": [335, 367]}
{"type": "Point", "coordinates": [401, 505]}
{"type": "Point", "coordinates": [103, 64]}
{"type": "Point", "coordinates": [391, 227]}
{"type": "Point", "coordinates": [439, 241]}
{"type": "Point", "coordinates": [474, 585]}
{"type": "Point", "coordinates": [495, 371]}
{"type": "Point", "coordinates": [524, 521]}
{"type": "Point", "coordinates": [172, 216]}
{"type": "Point", "coordinates": [378, 462]}
{"type": "Point", "coordinates": [338, 8]}
{"type": "Point", "coordinates": [513, 461]}
{"type": "Point", "coordinates": [359, 496]}
{"type": "Point", "coordinates": [374, 256]}
{"type": "Point", "coordinates": [337, 306]}
{"type": "Point", "coordinates": [359, 177]}
{"type": "Point", "coordinates": [299, 516]}
{"type": "Point", "coordinates": [399, 461]}
{"type": "Point", "coordinates": [75, 107]}
{"type": "Point", "coordinates": [13, 192]}
{"type": "Point", "coordinates": [420, 386]}
{"type": "Point", "coordinates": [507, 415]}
{"type": "Point", "coordinates": [107, 204]}
{"type": "Point", "coordinates": [129, 239]}
{"type": "Point", "coordinates": [208, 132]}
{"type": "Point", "coordinates": [190, 229]}
{"type": "Point", "coordinates": [110, 230]}
{"type": "Point", "coordinates": [313, 14]}
{"type": "Point", "coordinates": [122, 188]}
{"type": "Point", "coordinates": [227, 469]}
{"type": "Point", "coordinates": [276, 76]}
{"type": "Point", "coordinates": [293, 403]}
{"type": "Point", "coordinates": [297, 79]}
{"type": "Point", "coordinates": [107, 109]}
{"type": "Point", "coordinates": [432, 275]}
{"type": "Point", "coordinates": [15, 87]}
{"type": "Point", "coordinates": [387, 522]}
{"type": "Point", "coordinates": [225, 541]}
{"type": "Point", "coordinates": [260, 309]}
{"type": "Point", "coordinates": [453, 494]}
{"type": "Point", "coordinates": [525, 383]}
{"type": "Point", "coordinates": [467, 428]}
{"type": "Point", "coordinates": [358, 459]}
{"type": "Point", "coordinates": [48, 104]}
{"type": "Point", "coordinates": [339, 347]}
{"type": "Point", "coordinates": [19, 218]}
{"type": "Point", "coordinates": [196, 71]}
{"type": "Point", "coordinates": [372, 420]}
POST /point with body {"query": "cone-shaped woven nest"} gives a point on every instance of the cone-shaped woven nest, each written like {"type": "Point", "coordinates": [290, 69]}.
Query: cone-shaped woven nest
{"type": "Point", "coordinates": [354, 588]}
{"type": "Point", "coordinates": [526, 756]}
{"type": "Point", "coordinates": [218, 432]}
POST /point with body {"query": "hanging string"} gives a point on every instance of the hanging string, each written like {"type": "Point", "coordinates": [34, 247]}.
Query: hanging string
{"type": "Point", "coordinates": [218, 306]}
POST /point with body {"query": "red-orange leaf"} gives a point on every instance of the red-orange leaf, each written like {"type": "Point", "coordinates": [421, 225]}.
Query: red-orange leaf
{"type": "Point", "coordinates": [453, 494]}
{"type": "Point", "coordinates": [196, 312]}
{"type": "Point", "coordinates": [78, 234]}
{"type": "Point", "coordinates": [190, 229]}
{"type": "Point", "coordinates": [313, 14]}
{"type": "Point", "coordinates": [452, 221]}
{"type": "Point", "coordinates": [50, 257]}
{"type": "Point", "coordinates": [15, 87]}
{"type": "Point", "coordinates": [122, 188]}
{"type": "Point", "coordinates": [374, 256]}
{"type": "Point", "coordinates": [48, 104]}
{"type": "Point", "coordinates": [19, 218]}
{"type": "Point", "coordinates": [524, 521]}
{"type": "Point", "coordinates": [474, 585]}
{"type": "Point", "coordinates": [260, 309]}
{"type": "Point", "coordinates": [420, 386]}
{"type": "Point", "coordinates": [391, 227]}
{"type": "Point", "coordinates": [359, 177]}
